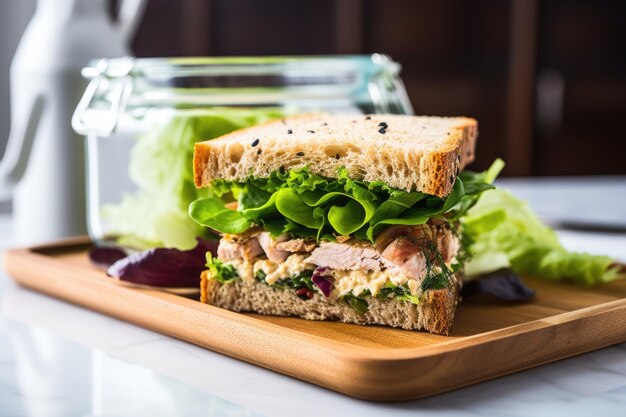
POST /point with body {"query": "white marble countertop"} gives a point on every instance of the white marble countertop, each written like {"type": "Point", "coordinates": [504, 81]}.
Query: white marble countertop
{"type": "Point", "coordinates": [60, 360]}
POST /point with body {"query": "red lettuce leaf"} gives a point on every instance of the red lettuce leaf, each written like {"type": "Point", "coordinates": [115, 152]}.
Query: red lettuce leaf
{"type": "Point", "coordinates": [323, 281]}
{"type": "Point", "coordinates": [163, 267]}
{"type": "Point", "coordinates": [104, 257]}
{"type": "Point", "coordinates": [502, 284]}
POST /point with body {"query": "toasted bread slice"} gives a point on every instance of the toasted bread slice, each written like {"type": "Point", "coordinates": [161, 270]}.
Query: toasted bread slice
{"type": "Point", "coordinates": [435, 314]}
{"type": "Point", "coordinates": [413, 153]}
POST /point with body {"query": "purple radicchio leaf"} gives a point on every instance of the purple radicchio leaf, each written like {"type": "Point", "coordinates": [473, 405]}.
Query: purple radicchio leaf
{"type": "Point", "coordinates": [163, 267]}
{"type": "Point", "coordinates": [324, 281]}
{"type": "Point", "coordinates": [104, 257]}
{"type": "Point", "coordinates": [502, 284]}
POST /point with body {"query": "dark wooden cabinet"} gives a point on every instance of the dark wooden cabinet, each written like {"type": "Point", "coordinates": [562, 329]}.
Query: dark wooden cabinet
{"type": "Point", "coordinates": [454, 57]}
{"type": "Point", "coordinates": [581, 88]}
{"type": "Point", "coordinates": [546, 79]}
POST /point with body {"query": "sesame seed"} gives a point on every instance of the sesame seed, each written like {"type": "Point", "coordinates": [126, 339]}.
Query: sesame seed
{"type": "Point", "coordinates": [324, 124]}
{"type": "Point", "coordinates": [289, 132]}
{"type": "Point", "coordinates": [258, 152]}
{"type": "Point", "coordinates": [300, 154]}
{"type": "Point", "coordinates": [382, 130]}
{"type": "Point", "coordinates": [383, 125]}
{"type": "Point", "coordinates": [368, 117]}
{"type": "Point", "coordinates": [337, 156]}
{"type": "Point", "coordinates": [255, 142]}
{"type": "Point", "coordinates": [311, 131]}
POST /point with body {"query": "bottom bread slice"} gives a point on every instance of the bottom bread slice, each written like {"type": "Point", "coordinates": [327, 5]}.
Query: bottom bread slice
{"type": "Point", "coordinates": [435, 314]}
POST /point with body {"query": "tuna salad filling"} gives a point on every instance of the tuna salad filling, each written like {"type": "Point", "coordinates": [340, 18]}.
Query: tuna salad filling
{"type": "Point", "coordinates": [402, 263]}
{"type": "Point", "coordinates": [336, 237]}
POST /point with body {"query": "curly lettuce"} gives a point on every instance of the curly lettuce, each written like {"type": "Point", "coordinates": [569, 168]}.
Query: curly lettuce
{"type": "Point", "coordinates": [220, 271]}
{"type": "Point", "coordinates": [504, 232]}
{"type": "Point", "coordinates": [301, 203]}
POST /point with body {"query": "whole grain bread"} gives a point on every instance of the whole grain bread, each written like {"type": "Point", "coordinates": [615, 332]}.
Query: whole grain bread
{"type": "Point", "coordinates": [435, 314]}
{"type": "Point", "coordinates": [417, 153]}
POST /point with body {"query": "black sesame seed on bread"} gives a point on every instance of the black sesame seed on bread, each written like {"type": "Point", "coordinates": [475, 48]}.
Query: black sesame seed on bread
{"type": "Point", "coordinates": [417, 153]}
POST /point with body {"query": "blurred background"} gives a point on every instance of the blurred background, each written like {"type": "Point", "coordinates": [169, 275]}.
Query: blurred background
{"type": "Point", "coordinates": [546, 79]}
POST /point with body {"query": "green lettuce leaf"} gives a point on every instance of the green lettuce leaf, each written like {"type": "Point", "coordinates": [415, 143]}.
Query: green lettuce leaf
{"type": "Point", "coordinates": [505, 232]}
{"type": "Point", "coordinates": [305, 204]}
{"type": "Point", "coordinates": [220, 271]}
{"type": "Point", "coordinates": [161, 167]}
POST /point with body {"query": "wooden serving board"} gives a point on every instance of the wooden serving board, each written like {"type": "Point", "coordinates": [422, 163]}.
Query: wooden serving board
{"type": "Point", "coordinates": [489, 338]}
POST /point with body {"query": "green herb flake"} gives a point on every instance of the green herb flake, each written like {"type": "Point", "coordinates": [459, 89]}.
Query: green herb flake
{"type": "Point", "coordinates": [358, 304]}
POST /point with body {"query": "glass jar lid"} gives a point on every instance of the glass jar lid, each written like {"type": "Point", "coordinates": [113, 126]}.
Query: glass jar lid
{"type": "Point", "coordinates": [123, 84]}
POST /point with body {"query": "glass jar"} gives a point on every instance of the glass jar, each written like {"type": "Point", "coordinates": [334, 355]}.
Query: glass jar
{"type": "Point", "coordinates": [141, 118]}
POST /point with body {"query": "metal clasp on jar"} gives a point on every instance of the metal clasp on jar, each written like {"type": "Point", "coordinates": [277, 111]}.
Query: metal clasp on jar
{"type": "Point", "coordinates": [105, 98]}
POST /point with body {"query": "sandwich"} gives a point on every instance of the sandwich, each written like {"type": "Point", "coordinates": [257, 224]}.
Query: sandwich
{"type": "Point", "coordinates": [339, 217]}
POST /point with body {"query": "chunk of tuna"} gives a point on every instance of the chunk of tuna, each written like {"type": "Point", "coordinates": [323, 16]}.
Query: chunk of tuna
{"type": "Point", "coordinates": [270, 247]}
{"type": "Point", "coordinates": [246, 249]}
{"type": "Point", "coordinates": [297, 245]}
{"type": "Point", "coordinates": [405, 256]}
{"type": "Point", "coordinates": [343, 256]}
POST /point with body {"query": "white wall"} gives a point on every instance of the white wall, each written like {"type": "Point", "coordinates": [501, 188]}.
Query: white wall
{"type": "Point", "coordinates": [14, 16]}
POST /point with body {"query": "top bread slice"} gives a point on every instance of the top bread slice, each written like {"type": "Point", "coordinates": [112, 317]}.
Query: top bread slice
{"type": "Point", "coordinates": [412, 153]}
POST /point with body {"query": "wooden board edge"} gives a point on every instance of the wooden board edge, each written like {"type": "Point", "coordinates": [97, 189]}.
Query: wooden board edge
{"type": "Point", "coordinates": [471, 364]}
{"type": "Point", "coordinates": [503, 333]}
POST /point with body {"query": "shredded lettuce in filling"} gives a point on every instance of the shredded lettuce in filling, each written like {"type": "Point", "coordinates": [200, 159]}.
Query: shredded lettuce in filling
{"type": "Point", "coordinates": [295, 282]}
{"type": "Point", "coordinates": [221, 272]}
